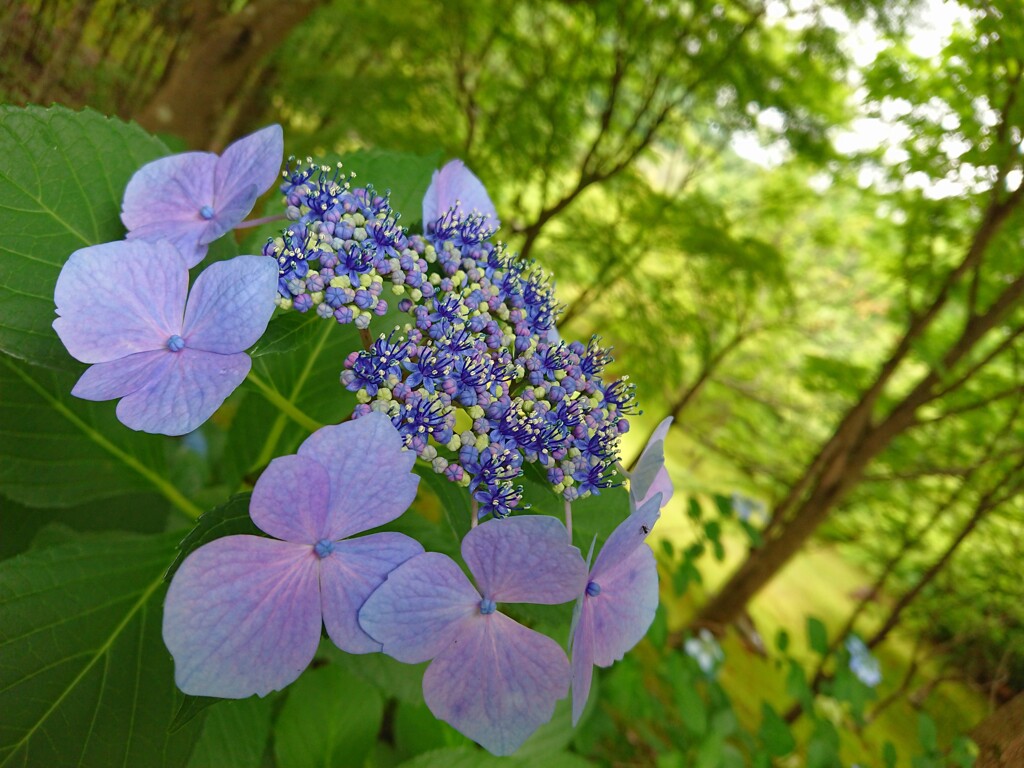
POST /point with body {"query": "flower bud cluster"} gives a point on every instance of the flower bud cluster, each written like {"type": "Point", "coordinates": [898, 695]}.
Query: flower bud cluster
{"type": "Point", "coordinates": [476, 382]}
{"type": "Point", "coordinates": [344, 244]}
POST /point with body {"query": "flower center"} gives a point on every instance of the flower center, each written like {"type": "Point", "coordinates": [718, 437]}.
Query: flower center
{"type": "Point", "coordinates": [593, 589]}
{"type": "Point", "coordinates": [488, 606]}
{"type": "Point", "coordinates": [206, 212]}
{"type": "Point", "coordinates": [323, 548]}
{"type": "Point", "coordinates": [175, 343]}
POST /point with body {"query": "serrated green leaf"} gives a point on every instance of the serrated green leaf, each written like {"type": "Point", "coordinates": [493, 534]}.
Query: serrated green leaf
{"type": "Point", "coordinates": [62, 178]}
{"type": "Point", "coordinates": [329, 718]}
{"type": "Point", "coordinates": [85, 678]}
{"type": "Point", "coordinates": [59, 451]}
{"type": "Point", "coordinates": [235, 735]}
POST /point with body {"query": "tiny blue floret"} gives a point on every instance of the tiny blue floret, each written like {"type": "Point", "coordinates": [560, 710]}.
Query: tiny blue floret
{"type": "Point", "coordinates": [488, 606]}
{"type": "Point", "coordinates": [593, 589]}
{"type": "Point", "coordinates": [323, 548]}
{"type": "Point", "coordinates": [175, 343]}
{"type": "Point", "coordinates": [206, 212]}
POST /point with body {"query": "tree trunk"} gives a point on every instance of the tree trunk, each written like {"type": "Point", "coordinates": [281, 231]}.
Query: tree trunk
{"type": "Point", "coordinates": [859, 439]}
{"type": "Point", "coordinates": [1000, 736]}
{"type": "Point", "coordinates": [202, 83]}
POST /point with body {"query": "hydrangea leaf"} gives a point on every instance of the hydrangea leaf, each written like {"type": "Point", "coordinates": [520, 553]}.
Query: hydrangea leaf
{"type": "Point", "coordinates": [329, 718]}
{"type": "Point", "coordinates": [235, 734]}
{"type": "Point", "coordinates": [62, 175]}
{"type": "Point", "coordinates": [85, 679]}
{"type": "Point", "coordinates": [99, 458]}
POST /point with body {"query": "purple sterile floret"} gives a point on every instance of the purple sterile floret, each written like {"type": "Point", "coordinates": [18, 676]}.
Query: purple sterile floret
{"type": "Point", "coordinates": [172, 357]}
{"type": "Point", "coordinates": [243, 613]}
{"type": "Point", "coordinates": [491, 678]}
{"type": "Point", "coordinates": [649, 476]}
{"type": "Point", "coordinates": [615, 610]}
{"type": "Point", "coordinates": [193, 198]}
{"type": "Point", "coordinates": [455, 186]}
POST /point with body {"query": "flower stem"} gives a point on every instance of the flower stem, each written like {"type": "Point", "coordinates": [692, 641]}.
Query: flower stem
{"type": "Point", "coordinates": [283, 404]}
{"type": "Point", "coordinates": [568, 519]}
{"type": "Point", "coordinates": [474, 512]}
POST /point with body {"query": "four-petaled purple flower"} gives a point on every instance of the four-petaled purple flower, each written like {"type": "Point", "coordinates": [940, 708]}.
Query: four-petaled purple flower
{"type": "Point", "coordinates": [172, 361]}
{"type": "Point", "coordinates": [455, 186]}
{"type": "Point", "coordinates": [193, 198]}
{"type": "Point", "coordinates": [616, 608]}
{"type": "Point", "coordinates": [491, 678]}
{"type": "Point", "coordinates": [243, 613]}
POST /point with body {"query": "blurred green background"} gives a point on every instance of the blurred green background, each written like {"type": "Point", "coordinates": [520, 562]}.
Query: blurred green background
{"type": "Point", "coordinates": [798, 223]}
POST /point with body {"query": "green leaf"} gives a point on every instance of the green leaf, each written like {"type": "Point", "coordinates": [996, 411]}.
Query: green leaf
{"type": "Point", "coordinates": [392, 678]}
{"type": "Point", "coordinates": [62, 178]}
{"type": "Point", "coordinates": [228, 519]}
{"type": "Point", "coordinates": [405, 174]}
{"type": "Point", "coordinates": [774, 733]}
{"type": "Point", "coordinates": [59, 451]}
{"type": "Point", "coordinates": [889, 754]}
{"type": "Point", "coordinates": [235, 735]}
{"type": "Point", "coordinates": [329, 718]}
{"type": "Point", "coordinates": [927, 733]}
{"type": "Point", "coordinates": [817, 636]}
{"type": "Point", "coordinates": [692, 709]}
{"type": "Point", "coordinates": [85, 678]}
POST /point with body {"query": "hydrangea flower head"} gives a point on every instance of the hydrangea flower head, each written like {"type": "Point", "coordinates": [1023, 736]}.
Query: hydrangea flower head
{"type": "Point", "coordinates": [705, 650]}
{"type": "Point", "coordinates": [172, 357]}
{"type": "Point", "coordinates": [193, 198]}
{"type": "Point", "coordinates": [456, 187]}
{"type": "Point", "coordinates": [491, 678]}
{"type": "Point", "coordinates": [243, 613]}
{"type": "Point", "coordinates": [649, 476]}
{"type": "Point", "coordinates": [864, 666]}
{"type": "Point", "coordinates": [617, 606]}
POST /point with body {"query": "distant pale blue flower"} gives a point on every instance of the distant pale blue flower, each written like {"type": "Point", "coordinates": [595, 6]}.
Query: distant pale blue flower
{"type": "Point", "coordinates": [172, 360]}
{"type": "Point", "coordinates": [649, 476]}
{"type": "Point", "coordinates": [491, 678]}
{"type": "Point", "coordinates": [616, 608]}
{"type": "Point", "coordinates": [243, 613]}
{"type": "Point", "coordinates": [193, 198]}
{"type": "Point", "coordinates": [864, 666]}
{"type": "Point", "coordinates": [705, 650]}
{"type": "Point", "coordinates": [746, 509]}
{"type": "Point", "coordinates": [456, 186]}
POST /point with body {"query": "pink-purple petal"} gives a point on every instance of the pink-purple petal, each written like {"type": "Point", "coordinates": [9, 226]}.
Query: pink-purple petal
{"type": "Point", "coordinates": [242, 617]}
{"type": "Point", "coordinates": [498, 683]}
{"type": "Point", "coordinates": [649, 476]}
{"type": "Point", "coordinates": [371, 482]}
{"type": "Point", "coordinates": [455, 183]}
{"type": "Point", "coordinates": [582, 651]}
{"type": "Point", "coordinates": [230, 304]}
{"type": "Point", "coordinates": [164, 200]}
{"type": "Point", "coordinates": [117, 299]}
{"type": "Point", "coordinates": [421, 607]}
{"type": "Point", "coordinates": [624, 610]}
{"type": "Point", "coordinates": [245, 170]}
{"type": "Point", "coordinates": [627, 536]}
{"type": "Point", "coordinates": [525, 559]}
{"type": "Point", "coordinates": [350, 574]}
{"type": "Point", "coordinates": [290, 498]}
{"type": "Point", "coordinates": [185, 394]}
{"type": "Point", "coordinates": [117, 378]}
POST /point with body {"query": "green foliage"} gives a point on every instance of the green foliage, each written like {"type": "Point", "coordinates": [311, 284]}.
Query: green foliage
{"type": "Point", "coordinates": [235, 734]}
{"type": "Point", "coordinates": [86, 679]}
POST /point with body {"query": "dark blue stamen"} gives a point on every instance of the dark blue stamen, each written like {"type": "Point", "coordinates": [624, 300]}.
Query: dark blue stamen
{"type": "Point", "coordinates": [206, 212]}
{"type": "Point", "coordinates": [488, 606]}
{"type": "Point", "coordinates": [323, 548]}
{"type": "Point", "coordinates": [593, 589]}
{"type": "Point", "coordinates": [175, 343]}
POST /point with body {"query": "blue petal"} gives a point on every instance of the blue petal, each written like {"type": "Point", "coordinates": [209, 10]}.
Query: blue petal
{"type": "Point", "coordinates": [230, 304]}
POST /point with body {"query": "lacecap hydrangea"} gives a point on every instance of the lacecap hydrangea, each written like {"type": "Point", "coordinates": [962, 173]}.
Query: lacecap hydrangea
{"type": "Point", "coordinates": [476, 379]}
